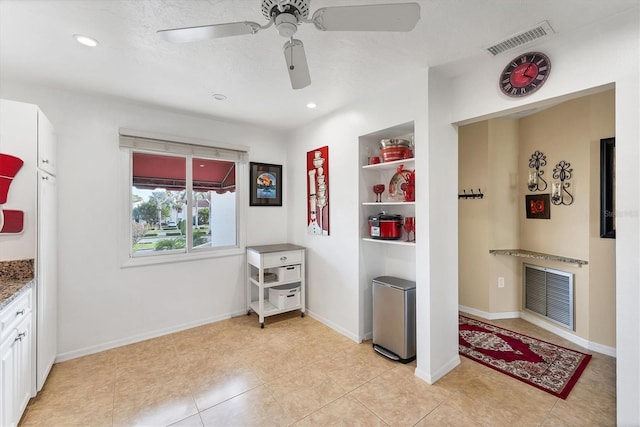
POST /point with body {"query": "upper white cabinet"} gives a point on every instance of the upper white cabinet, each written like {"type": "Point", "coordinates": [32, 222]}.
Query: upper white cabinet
{"type": "Point", "coordinates": [46, 145]}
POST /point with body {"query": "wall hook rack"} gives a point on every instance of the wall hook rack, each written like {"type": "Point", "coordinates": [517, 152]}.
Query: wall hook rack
{"type": "Point", "coordinates": [537, 160]}
{"type": "Point", "coordinates": [560, 190]}
{"type": "Point", "coordinates": [471, 195]}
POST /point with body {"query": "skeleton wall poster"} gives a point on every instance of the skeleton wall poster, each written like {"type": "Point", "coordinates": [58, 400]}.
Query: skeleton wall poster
{"type": "Point", "coordinates": [318, 191]}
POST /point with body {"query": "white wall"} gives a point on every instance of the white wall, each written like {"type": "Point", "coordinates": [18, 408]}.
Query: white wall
{"type": "Point", "coordinates": [337, 289]}
{"type": "Point", "coordinates": [582, 61]}
{"type": "Point", "coordinates": [102, 305]}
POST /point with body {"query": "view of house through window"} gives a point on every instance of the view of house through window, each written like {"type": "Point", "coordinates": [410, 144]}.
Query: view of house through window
{"type": "Point", "coordinates": [181, 203]}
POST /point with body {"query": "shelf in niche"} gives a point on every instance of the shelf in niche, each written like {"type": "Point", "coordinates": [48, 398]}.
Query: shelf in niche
{"type": "Point", "coordinates": [390, 242]}
{"type": "Point", "coordinates": [389, 165]}
{"type": "Point", "coordinates": [388, 203]}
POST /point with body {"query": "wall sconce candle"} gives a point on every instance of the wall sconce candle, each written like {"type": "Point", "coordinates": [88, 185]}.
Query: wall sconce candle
{"type": "Point", "coordinates": [560, 190]}
{"type": "Point", "coordinates": [536, 182]}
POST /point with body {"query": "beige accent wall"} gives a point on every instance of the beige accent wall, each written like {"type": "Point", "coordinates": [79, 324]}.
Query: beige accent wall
{"type": "Point", "coordinates": [602, 262]}
{"type": "Point", "coordinates": [488, 159]}
{"type": "Point", "coordinates": [496, 153]}
{"type": "Point", "coordinates": [473, 218]}
{"type": "Point", "coordinates": [503, 215]}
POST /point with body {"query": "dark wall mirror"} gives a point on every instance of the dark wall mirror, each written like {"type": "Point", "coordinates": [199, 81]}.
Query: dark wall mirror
{"type": "Point", "coordinates": [608, 188]}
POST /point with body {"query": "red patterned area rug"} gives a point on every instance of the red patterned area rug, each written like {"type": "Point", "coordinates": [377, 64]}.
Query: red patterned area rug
{"type": "Point", "coordinates": [546, 366]}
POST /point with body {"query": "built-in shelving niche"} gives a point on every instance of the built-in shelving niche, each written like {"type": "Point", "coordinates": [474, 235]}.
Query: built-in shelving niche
{"type": "Point", "coordinates": [382, 257]}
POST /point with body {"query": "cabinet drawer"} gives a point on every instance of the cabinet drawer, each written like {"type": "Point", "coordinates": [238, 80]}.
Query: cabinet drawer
{"type": "Point", "coordinates": [15, 312]}
{"type": "Point", "coordinates": [277, 259]}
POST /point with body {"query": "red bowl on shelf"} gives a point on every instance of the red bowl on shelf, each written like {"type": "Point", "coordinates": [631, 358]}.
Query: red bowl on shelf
{"type": "Point", "coordinates": [395, 153]}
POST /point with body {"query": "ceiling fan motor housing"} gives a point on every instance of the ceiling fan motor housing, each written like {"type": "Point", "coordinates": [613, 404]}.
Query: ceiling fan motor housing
{"type": "Point", "coordinates": [297, 8]}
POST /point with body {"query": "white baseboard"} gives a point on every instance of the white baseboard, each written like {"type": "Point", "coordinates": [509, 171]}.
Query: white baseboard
{"type": "Point", "coordinates": [141, 337]}
{"type": "Point", "coordinates": [334, 326]}
{"type": "Point", "coordinates": [490, 316]}
{"type": "Point", "coordinates": [589, 345]}
{"type": "Point", "coordinates": [441, 372]}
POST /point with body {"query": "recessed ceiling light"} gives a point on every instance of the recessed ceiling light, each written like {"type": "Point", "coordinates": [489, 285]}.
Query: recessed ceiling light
{"type": "Point", "coordinates": [311, 105]}
{"type": "Point", "coordinates": [219, 97]}
{"type": "Point", "coordinates": [85, 40]}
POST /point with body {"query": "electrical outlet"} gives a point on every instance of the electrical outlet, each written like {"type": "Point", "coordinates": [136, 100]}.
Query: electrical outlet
{"type": "Point", "coordinates": [501, 282]}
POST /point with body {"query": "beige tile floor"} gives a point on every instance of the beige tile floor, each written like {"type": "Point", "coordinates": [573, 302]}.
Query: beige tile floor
{"type": "Point", "coordinates": [299, 372]}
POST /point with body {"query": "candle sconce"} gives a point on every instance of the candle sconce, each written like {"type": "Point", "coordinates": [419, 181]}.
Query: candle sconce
{"type": "Point", "coordinates": [559, 190]}
{"type": "Point", "coordinates": [537, 160]}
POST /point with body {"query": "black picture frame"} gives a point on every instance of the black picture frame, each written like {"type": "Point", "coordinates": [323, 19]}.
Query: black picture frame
{"type": "Point", "coordinates": [537, 206]}
{"type": "Point", "coordinates": [608, 188]}
{"type": "Point", "coordinates": [265, 184]}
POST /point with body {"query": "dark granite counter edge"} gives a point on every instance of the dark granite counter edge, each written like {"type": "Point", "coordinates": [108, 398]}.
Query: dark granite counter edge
{"type": "Point", "coordinates": [537, 255]}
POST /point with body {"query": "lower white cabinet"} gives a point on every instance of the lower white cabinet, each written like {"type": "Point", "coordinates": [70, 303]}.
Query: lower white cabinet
{"type": "Point", "coordinates": [16, 367]}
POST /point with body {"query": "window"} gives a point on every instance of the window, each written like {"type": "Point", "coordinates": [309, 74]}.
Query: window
{"type": "Point", "coordinates": [183, 199]}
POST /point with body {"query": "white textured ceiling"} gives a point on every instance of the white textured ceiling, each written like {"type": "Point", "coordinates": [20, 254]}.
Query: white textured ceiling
{"type": "Point", "coordinates": [132, 62]}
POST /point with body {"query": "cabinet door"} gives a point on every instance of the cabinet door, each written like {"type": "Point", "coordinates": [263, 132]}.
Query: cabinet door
{"type": "Point", "coordinates": [46, 290]}
{"type": "Point", "coordinates": [23, 368]}
{"type": "Point", "coordinates": [46, 145]}
{"type": "Point", "coordinates": [7, 381]}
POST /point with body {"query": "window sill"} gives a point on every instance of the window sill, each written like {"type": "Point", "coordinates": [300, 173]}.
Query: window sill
{"type": "Point", "coordinates": [182, 257]}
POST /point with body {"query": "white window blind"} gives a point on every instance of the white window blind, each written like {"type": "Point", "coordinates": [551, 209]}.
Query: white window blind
{"type": "Point", "coordinates": [180, 145]}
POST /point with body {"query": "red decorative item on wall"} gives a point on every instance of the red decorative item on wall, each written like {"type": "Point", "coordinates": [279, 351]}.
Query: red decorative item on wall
{"type": "Point", "coordinates": [11, 221]}
{"type": "Point", "coordinates": [318, 191]}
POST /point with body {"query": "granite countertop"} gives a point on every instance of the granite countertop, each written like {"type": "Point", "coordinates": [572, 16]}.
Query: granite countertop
{"type": "Point", "coordinates": [538, 255]}
{"type": "Point", "coordinates": [15, 277]}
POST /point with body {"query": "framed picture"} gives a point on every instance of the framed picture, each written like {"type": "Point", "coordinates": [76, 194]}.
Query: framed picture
{"type": "Point", "coordinates": [265, 183]}
{"type": "Point", "coordinates": [608, 188]}
{"type": "Point", "coordinates": [318, 191]}
{"type": "Point", "coordinates": [537, 206]}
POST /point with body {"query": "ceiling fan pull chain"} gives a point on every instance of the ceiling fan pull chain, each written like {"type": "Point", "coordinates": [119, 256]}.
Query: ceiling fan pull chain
{"type": "Point", "coordinates": [291, 67]}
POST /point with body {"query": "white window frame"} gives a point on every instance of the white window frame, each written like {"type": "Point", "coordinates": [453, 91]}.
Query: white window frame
{"type": "Point", "coordinates": [139, 141]}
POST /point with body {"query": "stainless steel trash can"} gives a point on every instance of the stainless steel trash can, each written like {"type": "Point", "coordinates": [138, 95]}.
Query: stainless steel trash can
{"type": "Point", "coordinates": [394, 318]}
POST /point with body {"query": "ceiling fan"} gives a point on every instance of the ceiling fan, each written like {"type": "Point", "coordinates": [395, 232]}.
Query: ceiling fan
{"type": "Point", "coordinates": [286, 15]}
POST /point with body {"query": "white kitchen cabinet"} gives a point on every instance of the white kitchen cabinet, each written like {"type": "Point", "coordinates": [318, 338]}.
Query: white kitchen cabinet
{"type": "Point", "coordinates": [285, 263]}
{"type": "Point", "coordinates": [16, 367]}
{"type": "Point", "coordinates": [26, 133]}
{"type": "Point", "coordinates": [46, 276]}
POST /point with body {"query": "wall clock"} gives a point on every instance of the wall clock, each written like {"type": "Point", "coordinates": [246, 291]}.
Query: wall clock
{"type": "Point", "coordinates": [525, 74]}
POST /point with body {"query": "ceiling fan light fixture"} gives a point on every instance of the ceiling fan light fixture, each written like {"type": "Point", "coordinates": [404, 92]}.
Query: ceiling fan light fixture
{"type": "Point", "coordinates": [287, 24]}
{"type": "Point", "coordinates": [85, 40]}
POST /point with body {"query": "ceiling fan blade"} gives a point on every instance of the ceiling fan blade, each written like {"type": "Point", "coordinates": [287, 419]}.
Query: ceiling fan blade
{"type": "Point", "coordinates": [297, 64]}
{"type": "Point", "coordinates": [375, 17]}
{"type": "Point", "coordinates": [206, 32]}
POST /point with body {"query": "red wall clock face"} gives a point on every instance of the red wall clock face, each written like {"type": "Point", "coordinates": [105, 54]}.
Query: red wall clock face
{"type": "Point", "coordinates": [525, 74]}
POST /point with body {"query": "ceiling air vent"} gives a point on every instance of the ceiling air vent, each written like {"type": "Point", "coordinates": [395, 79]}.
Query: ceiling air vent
{"type": "Point", "coordinates": [543, 29]}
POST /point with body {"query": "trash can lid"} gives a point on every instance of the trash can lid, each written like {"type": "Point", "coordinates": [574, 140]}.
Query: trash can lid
{"type": "Point", "coordinates": [395, 282]}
